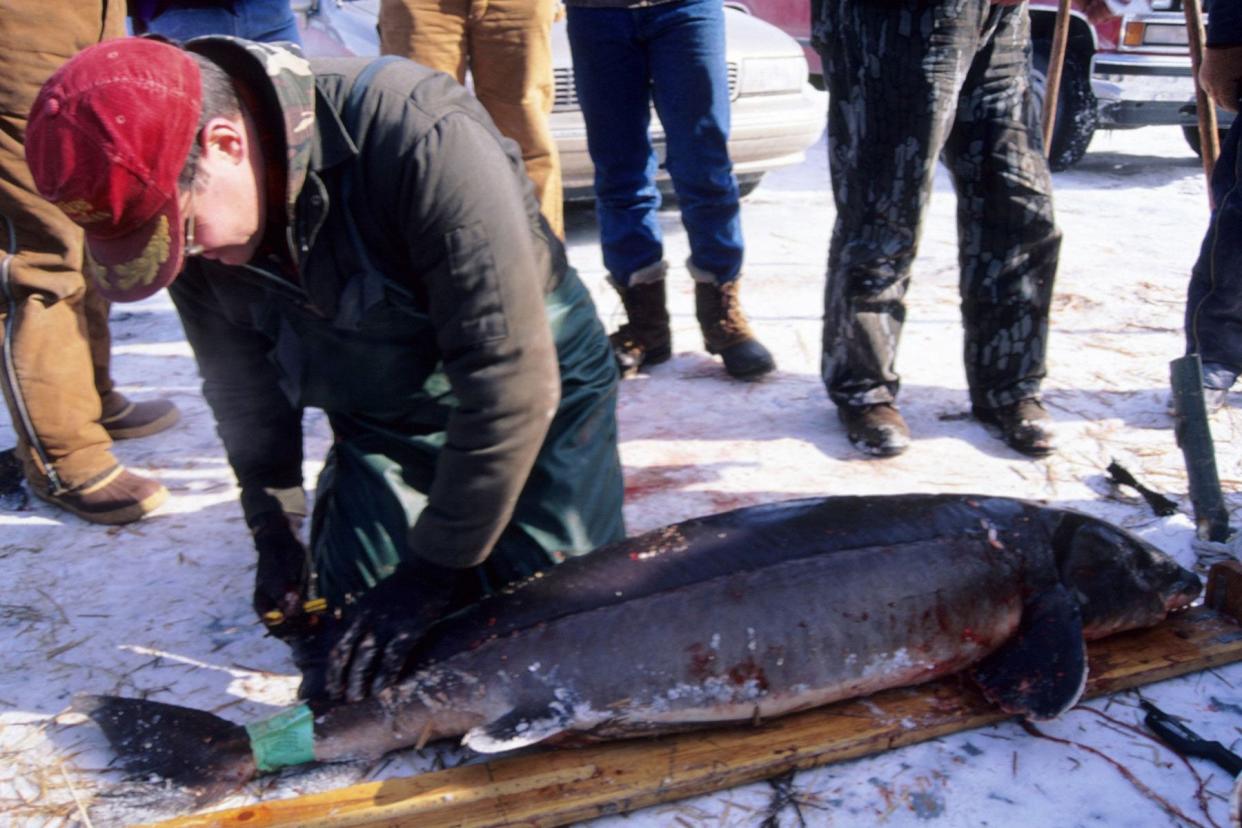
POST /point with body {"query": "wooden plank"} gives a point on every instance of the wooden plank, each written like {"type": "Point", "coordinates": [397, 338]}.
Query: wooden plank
{"type": "Point", "coordinates": [555, 787]}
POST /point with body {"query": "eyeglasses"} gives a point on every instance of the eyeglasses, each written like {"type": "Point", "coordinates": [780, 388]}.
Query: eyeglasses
{"type": "Point", "coordinates": [191, 249]}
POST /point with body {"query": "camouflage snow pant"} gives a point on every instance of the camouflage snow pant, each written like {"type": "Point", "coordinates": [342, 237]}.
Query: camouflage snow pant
{"type": "Point", "coordinates": [911, 81]}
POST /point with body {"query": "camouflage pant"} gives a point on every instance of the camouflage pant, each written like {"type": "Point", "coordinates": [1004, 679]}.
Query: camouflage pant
{"type": "Point", "coordinates": [911, 81]}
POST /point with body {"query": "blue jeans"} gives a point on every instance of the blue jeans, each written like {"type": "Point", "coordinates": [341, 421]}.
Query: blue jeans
{"type": "Point", "coordinates": [1214, 298]}
{"type": "Point", "coordinates": [262, 20]}
{"type": "Point", "coordinates": [672, 54]}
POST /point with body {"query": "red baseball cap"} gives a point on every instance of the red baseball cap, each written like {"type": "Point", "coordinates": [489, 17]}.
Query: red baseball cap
{"type": "Point", "coordinates": [107, 139]}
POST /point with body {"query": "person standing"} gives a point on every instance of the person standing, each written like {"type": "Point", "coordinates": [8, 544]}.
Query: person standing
{"type": "Point", "coordinates": [507, 47]}
{"type": "Point", "coordinates": [57, 350]}
{"type": "Point", "coordinates": [629, 54]}
{"type": "Point", "coordinates": [1214, 298]}
{"type": "Point", "coordinates": [911, 82]}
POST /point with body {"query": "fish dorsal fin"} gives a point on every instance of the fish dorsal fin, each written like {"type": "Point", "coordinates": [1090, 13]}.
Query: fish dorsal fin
{"type": "Point", "coordinates": [1041, 671]}
{"type": "Point", "coordinates": [519, 728]}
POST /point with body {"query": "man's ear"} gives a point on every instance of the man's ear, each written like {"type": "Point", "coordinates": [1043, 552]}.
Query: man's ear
{"type": "Point", "coordinates": [225, 137]}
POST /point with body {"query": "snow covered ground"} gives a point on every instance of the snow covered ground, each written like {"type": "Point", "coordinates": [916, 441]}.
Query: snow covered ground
{"type": "Point", "coordinates": [163, 608]}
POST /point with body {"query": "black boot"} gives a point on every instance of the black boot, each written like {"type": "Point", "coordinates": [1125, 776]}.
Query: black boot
{"type": "Point", "coordinates": [727, 332]}
{"type": "Point", "coordinates": [645, 339]}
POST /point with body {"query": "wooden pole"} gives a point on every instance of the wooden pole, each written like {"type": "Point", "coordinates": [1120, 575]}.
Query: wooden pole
{"type": "Point", "coordinates": [1209, 144]}
{"type": "Point", "coordinates": [1056, 63]}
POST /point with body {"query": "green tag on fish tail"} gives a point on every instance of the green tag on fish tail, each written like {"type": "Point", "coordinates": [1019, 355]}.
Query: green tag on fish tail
{"type": "Point", "coordinates": [288, 738]}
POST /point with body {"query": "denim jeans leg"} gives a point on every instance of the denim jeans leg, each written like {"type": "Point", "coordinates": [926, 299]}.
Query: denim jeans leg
{"type": "Point", "coordinates": [690, 84]}
{"type": "Point", "coordinates": [1214, 297]}
{"type": "Point", "coordinates": [262, 20]}
{"type": "Point", "coordinates": [268, 21]}
{"type": "Point", "coordinates": [614, 91]}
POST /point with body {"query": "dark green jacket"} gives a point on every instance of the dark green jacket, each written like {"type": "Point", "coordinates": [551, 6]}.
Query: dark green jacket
{"type": "Point", "coordinates": [414, 252]}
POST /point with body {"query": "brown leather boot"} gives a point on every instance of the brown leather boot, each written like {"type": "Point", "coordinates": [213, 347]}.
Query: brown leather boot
{"type": "Point", "coordinates": [645, 339]}
{"type": "Point", "coordinates": [120, 496]}
{"type": "Point", "coordinates": [1025, 426]}
{"type": "Point", "coordinates": [726, 331]}
{"type": "Point", "coordinates": [125, 420]}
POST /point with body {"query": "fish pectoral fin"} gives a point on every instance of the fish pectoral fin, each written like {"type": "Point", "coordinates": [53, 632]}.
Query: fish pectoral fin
{"type": "Point", "coordinates": [1041, 671]}
{"type": "Point", "coordinates": [519, 728]}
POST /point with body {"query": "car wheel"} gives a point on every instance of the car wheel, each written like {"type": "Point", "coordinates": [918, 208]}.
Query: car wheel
{"type": "Point", "coordinates": [1192, 138]}
{"type": "Point", "coordinates": [746, 184]}
{"type": "Point", "coordinates": [1077, 109]}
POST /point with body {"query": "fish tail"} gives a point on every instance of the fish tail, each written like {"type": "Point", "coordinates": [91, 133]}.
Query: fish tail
{"type": "Point", "coordinates": [198, 750]}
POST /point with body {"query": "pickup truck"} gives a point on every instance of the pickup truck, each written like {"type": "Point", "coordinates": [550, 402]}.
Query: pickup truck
{"type": "Point", "coordinates": [1125, 72]}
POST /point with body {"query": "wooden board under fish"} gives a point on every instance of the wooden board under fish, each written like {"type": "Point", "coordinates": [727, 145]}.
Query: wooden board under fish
{"type": "Point", "coordinates": [556, 787]}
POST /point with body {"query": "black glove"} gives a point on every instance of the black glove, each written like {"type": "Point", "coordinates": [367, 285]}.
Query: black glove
{"type": "Point", "coordinates": [282, 577]}
{"type": "Point", "coordinates": [386, 625]}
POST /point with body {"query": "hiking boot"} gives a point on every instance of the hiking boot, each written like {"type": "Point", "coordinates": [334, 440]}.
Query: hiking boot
{"type": "Point", "coordinates": [1025, 426]}
{"type": "Point", "coordinates": [726, 331]}
{"type": "Point", "coordinates": [877, 429]}
{"type": "Point", "coordinates": [125, 420]}
{"type": "Point", "coordinates": [645, 339]}
{"type": "Point", "coordinates": [118, 497]}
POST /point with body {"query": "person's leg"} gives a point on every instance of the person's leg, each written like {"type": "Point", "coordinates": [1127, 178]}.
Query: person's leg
{"type": "Point", "coordinates": [690, 88]}
{"type": "Point", "coordinates": [511, 61]}
{"type": "Point", "coordinates": [430, 32]}
{"type": "Point", "coordinates": [1214, 296]}
{"type": "Point", "coordinates": [893, 71]}
{"type": "Point", "coordinates": [267, 21]}
{"type": "Point", "coordinates": [372, 488]}
{"type": "Point", "coordinates": [571, 503]}
{"type": "Point", "coordinates": [182, 23]}
{"type": "Point", "coordinates": [1009, 243]}
{"type": "Point", "coordinates": [612, 77]}
{"type": "Point", "coordinates": [123, 418]}
{"type": "Point", "coordinates": [47, 372]}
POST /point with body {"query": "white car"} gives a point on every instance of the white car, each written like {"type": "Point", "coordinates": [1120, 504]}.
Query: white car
{"type": "Point", "coordinates": [776, 114]}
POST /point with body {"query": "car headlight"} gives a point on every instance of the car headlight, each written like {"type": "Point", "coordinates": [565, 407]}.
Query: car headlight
{"type": "Point", "coordinates": [765, 76]}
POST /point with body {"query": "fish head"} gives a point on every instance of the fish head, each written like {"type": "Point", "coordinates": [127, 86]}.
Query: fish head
{"type": "Point", "coordinates": [1121, 582]}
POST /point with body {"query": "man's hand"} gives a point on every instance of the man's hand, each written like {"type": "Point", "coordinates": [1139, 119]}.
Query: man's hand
{"type": "Point", "coordinates": [1220, 75]}
{"type": "Point", "coordinates": [281, 577]}
{"type": "Point", "coordinates": [387, 624]}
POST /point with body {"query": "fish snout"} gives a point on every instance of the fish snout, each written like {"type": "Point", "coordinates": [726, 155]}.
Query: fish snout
{"type": "Point", "coordinates": [1182, 592]}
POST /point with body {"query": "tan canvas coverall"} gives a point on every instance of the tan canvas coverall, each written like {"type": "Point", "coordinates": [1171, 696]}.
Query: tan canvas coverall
{"type": "Point", "coordinates": [56, 344]}
{"type": "Point", "coordinates": [507, 46]}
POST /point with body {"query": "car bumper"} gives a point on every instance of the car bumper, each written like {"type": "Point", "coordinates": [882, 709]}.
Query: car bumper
{"type": "Point", "coordinates": [767, 132]}
{"type": "Point", "coordinates": [1146, 90]}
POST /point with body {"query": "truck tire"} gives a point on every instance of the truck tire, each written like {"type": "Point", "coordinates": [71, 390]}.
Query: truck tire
{"type": "Point", "coordinates": [1078, 111]}
{"type": "Point", "coordinates": [1192, 138]}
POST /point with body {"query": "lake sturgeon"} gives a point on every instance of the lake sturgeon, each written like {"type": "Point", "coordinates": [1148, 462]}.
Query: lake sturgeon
{"type": "Point", "coordinates": [757, 612]}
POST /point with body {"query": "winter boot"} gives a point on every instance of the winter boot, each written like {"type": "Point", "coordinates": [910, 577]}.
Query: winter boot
{"type": "Point", "coordinates": [125, 420]}
{"type": "Point", "coordinates": [1025, 426]}
{"type": "Point", "coordinates": [725, 329]}
{"type": "Point", "coordinates": [645, 339]}
{"type": "Point", "coordinates": [878, 429]}
{"type": "Point", "coordinates": [120, 496]}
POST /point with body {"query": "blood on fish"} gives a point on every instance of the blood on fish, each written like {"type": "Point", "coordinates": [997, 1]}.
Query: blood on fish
{"type": "Point", "coordinates": [746, 671]}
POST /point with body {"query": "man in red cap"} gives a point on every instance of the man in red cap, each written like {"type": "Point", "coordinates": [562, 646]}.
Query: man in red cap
{"type": "Point", "coordinates": [56, 349]}
{"type": "Point", "coordinates": [361, 240]}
